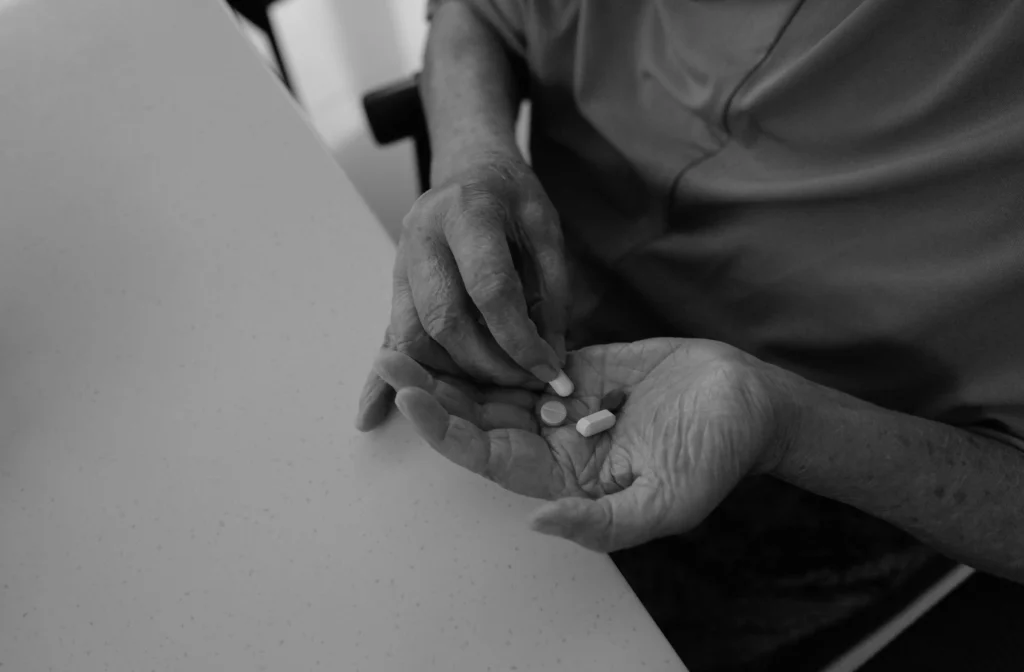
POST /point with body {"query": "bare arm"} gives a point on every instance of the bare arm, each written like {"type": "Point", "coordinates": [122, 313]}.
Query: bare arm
{"type": "Point", "coordinates": [470, 89]}
{"type": "Point", "coordinates": [960, 492]}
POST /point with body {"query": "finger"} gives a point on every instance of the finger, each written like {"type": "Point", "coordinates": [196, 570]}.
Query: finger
{"type": "Point", "coordinates": [515, 396]}
{"type": "Point", "coordinates": [549, 273]}
{"type": "Point", "coordinates": [446, 315]}
{"type": "Point", "coordinates": [400, 371]}
{"type": "Point", "coordinates": [508, 395]}
{"type": "Point", "coordinates": [499, 407]}
{"type": "Point", "coordinates": [404, 334]}
{"type": "Point", "coordinates": [481, 250]}
{"type": "Point", "coordinates": [374, 403]}
{"type": "Point", "coordinates": [506, 416]}
{"type": "Point", "coordinates": [620, 520]}
{"type": "Point", "coordinates": [456, 439]}
{"type": "Point", "coordinates": [514, 459]}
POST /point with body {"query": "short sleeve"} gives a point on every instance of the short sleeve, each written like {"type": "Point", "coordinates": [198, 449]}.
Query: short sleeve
{"type": "Point", "coordinates": [1011, 435]}
{"type": "Point", "coordinates": [506, 17]}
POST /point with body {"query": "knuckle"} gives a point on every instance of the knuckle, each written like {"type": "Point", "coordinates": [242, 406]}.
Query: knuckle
{"type": "Point", "coordinates": [533, 211]}
{"type": "Point", "coordinates": [552, 260]}
{"type": "Point", "coordinates": [485, 219]}
{"type": "Point", "coordinates": [413, 217]}
{"type": "Point", "coordinates": [426, 209]}
{"type": "Point", "coordinates": [404, 334]}
{"type": "Point", "coordinates": [400, 342]}
{"type": "Point", "coordinates": [410, 218]}
{"type": "Point", "coordinates": [481, 200]}
{"type": "Point", "coordinates": [458, 192]}
{"type": "Point", "coordinates": [404, 345]}
{"type": "Point", "coordinates": [439, 321]}
{"type": "Point", "coordinates": [400, 333]}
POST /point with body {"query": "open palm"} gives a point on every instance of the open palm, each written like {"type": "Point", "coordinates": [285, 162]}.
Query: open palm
{"type": "Point", "coordinates": [696, 420]}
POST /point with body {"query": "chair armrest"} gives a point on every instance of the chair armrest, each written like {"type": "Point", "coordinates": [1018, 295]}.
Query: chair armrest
{"type": "Point", "coordinates": [256, 12]}
{"type": "Point", "coordinates": [395, 112]}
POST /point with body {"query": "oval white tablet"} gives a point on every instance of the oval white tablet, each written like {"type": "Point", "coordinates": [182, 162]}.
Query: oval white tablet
{"type": "Point", "coordinates": [595, 423]}
{"type": "Point", "coordinates": [553, 413]}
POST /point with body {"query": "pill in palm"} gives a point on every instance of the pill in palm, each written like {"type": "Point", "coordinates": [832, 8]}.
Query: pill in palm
{"type": "Point", "coordinates": [613, 400]}
{"type": "Point", "coordinates": [553, 413]}
{"type": "Point", "coordinates": [562, 386]}
{"type": "Point", "coordinates": [595, 423]}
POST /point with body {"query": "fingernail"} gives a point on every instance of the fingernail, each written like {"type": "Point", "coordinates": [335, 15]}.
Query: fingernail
{"type": "Point", "coordinates": [562, 386]}
{"type": "Point", "coordinates": [545, 526]}
{"type": "Point", "coordinates": [542, 521]}
{"type": "Point", "coordinates": [545, 372]}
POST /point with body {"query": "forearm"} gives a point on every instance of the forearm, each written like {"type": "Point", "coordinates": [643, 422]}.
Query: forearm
{"type": "Point", "coordinates": [470, 91]}
{"type": "Point", "coordinates": [957, 491]}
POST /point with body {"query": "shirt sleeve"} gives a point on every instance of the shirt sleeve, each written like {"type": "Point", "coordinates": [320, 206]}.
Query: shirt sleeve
{"type": "Point", "coordinates": [1010, 435]}
{"type": "Point", "coordinates": [506, 17]}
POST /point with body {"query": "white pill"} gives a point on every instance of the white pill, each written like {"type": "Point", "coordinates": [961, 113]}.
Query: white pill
{"type": "Point", "coordinates": [553, 413]}
{"type": "Point", "coordinates": [595, 423]}
{"type": "Point", "coordinates": [562, 386]}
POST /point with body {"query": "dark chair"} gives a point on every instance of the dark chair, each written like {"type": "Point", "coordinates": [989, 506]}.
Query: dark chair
{"type": "Point", "coordinates": [257, 12]}
{"type": "Point", "coordinates": [395, 112]}
{"type": "Point", "coordinates": [979, 626]}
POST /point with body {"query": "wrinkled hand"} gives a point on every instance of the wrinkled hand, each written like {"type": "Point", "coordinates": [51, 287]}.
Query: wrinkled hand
{"type": "Point", "coordinates": [480, 284]}
{"type": "Point", "coordinates": [699, 416]}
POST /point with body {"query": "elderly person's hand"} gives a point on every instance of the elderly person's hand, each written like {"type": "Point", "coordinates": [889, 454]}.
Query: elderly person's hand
{"type": "Point", "coordinates": [699, 416]}
{"type": "Point", "coordinates": [480, 286]}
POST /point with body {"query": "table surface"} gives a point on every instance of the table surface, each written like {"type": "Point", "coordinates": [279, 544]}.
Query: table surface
{"type": "Point", "coordinates": [190, 295]}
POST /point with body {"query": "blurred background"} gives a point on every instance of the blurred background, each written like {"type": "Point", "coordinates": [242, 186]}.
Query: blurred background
{"type": "Point", "coordinates": [334, 52]}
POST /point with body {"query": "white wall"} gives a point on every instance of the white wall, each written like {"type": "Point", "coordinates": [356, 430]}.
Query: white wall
{"type": "Point", "coordinates": [336, 50]}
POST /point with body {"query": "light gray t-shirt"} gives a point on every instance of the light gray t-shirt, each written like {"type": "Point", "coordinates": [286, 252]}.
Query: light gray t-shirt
{"type": "Point", "coordinates": [834, 186]}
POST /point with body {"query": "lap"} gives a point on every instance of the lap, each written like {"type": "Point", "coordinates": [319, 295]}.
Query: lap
{"type": "Point", "coordinates": [773, 564]}
{"type": "Point", "coordinates": [770, 566]}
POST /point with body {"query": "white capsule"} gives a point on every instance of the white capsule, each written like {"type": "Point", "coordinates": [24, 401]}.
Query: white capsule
{"type": "Point", "coordinates": [595, 423]}
{"type": "Point", "coordinates": [562, 386]}
{"type": "Point", "coordinates": [553, 413]}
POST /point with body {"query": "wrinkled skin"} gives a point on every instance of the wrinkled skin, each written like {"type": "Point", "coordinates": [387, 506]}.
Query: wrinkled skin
{"type": "Point", "coordinates": [480, 284]}
{"type": "Point", "coordinates": [699, 416]}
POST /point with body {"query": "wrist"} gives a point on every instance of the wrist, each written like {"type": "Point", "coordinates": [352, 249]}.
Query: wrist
{"type": "Point", "coordinates": [790, 405]}
{"type": "Point", "coordinates": [471, 150]}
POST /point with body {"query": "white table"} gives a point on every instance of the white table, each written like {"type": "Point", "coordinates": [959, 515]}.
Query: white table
{"type": "Point", "coordinates": [190, 295]}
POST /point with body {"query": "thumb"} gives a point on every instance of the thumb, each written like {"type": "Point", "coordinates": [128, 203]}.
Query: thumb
{"type": "Point", "coordinates": [620, 520]}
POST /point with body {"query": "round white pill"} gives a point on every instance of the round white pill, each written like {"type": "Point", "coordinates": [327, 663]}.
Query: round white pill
{"type": "Point", "coordinates": [553, 413]}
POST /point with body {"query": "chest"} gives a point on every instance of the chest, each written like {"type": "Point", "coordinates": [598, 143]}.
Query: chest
{"type": "Point", "coordinates": [793, 88]}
